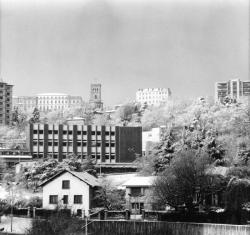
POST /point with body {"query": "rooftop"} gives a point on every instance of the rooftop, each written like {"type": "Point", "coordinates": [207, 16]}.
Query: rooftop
{"type": "Point", "coordinates": [140, 181]}
{"type": "Point", "coordinates": [83, 176]}
{"type": "Point", "coordinates": [52, 94]}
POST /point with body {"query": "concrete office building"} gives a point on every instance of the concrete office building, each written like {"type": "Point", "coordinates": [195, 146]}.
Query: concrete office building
{"type": "Point", "coordinates": [234, 89]}
{"type": "Point", "coordinates": [5, 103]}
{"type": "Point", "coordinates": [105, 144]}
{"type": "Point", "coordinates": [153, 96]}
{"type": "Point", "coordinates": [25, 103]}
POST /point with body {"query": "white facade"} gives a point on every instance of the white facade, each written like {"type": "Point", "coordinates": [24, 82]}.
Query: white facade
{"type": "Point", "coordinates": [153, 96]}
{"type": "Point", "coordinates": [235, 89]}
{"type": "Point", "coordinates": [152, 136]}
{"type": "Point", "coordinates": [76, 187]}
{"type": "Point", "coordinates": [139, 193]}
{"type": "Point", "coordinates": [57, 101]}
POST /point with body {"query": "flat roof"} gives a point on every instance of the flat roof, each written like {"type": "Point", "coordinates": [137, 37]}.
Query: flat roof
{"type": "Point", "coordinates": [140, 181]}
{"type": "Point", "coordinates": [16, 156]}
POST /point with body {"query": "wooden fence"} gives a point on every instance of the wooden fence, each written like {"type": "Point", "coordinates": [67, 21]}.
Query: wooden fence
{"type": "Point", "coordinates": [108, 227]}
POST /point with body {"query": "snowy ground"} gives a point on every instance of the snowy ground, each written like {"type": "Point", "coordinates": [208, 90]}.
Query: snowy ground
{"type": "Point", "coordinates": [19, 225]}
{"type": "Point", "coordinates": [117, 180]}
{"type": "Point", "coordinates": [19, 194]}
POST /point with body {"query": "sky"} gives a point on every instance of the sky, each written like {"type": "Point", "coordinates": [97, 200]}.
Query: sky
{"type": "Point", "coordinates": [64, 46]}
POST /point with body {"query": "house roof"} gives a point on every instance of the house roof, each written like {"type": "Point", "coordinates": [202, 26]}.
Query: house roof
{"type": "Point", "coordinates": [140, 181]}
{"type": "Point", "coordinates": [83, 176]}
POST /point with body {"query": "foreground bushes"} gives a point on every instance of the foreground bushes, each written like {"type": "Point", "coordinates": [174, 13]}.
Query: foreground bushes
{"type": "Point", "coordinates": [58, 224]}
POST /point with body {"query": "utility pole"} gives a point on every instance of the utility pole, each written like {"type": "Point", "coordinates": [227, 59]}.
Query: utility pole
{"type": "Point", "coordinates": [86, 225]}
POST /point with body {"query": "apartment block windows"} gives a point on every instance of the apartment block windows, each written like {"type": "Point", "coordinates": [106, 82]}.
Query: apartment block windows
{"type": "Point", "coordinates": [65, 184]}
{"type": "Point", "coordinates": [77, 199]}
{"type": "Point", "coordinates": [53, 199]}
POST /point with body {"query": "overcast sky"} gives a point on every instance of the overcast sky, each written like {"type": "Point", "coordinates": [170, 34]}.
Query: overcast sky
{"type": "Point", "coordinates": [63, 46]}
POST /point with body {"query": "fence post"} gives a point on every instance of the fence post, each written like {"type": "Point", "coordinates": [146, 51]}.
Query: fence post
{"type": "Point", "coordinates": [28, 211]}
{"type": "Point", "coordinates": [127, 214]}
{"type": "Point", "coordinates": [105, 215]}
{"type": "Point", "coordinates": [83, 213]}
{"type": "Point", "coordinates": [34, 212]}
{"type": "Point", "coordinates": [143, 214]}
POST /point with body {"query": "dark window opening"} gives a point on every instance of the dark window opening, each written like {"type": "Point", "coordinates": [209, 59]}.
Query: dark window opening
{"type": "Point", "coordinates": [65, 184]}
{"type": "Point", "coordinates": [77, 199]}
{"type": "Point", "coordinates": [53, 199]}
{"type": "Point", "coordinates": [65, 199]}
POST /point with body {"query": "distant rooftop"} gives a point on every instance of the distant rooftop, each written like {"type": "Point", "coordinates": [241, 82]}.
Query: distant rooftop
{"type": "Point", "coordinates": [153, 89]}
{"type": "Point", "coordinates": [52, 94]}
{"type": "Point", "coordinates": [140, 181]}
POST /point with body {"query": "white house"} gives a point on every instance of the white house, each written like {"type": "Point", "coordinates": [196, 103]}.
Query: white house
{"type": "Point", "coordinates": [139, 193]}
{"type": "Point", "coordinates": [70, 189]}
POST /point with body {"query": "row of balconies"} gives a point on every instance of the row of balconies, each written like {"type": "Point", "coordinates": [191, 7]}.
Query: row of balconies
{"type": "Point", "coordinates": [70, 137]}
{"type": "Point", "coordinates": [70, 149]}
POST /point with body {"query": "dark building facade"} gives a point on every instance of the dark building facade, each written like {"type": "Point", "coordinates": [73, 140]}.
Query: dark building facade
{"type": "Point", "coordinates": [5, 103]}
{"type": "Point", "coordinates": [105, 144]}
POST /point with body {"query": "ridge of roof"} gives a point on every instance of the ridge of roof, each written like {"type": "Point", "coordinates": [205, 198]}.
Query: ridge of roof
{"type": "Point", "coordinates": [83, 176]}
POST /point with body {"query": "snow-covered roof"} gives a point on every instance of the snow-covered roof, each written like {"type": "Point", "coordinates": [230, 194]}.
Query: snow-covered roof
{"type": "Point", "coordinates": [16, 156]}
{"type": "Point", "coordinates": [140, 181]}
{"type": "Point", "coordinates": [83, 176]}
{"type": "Point", "coordinates": [86, 177]}
{"type": "Point", "coordinates": [219, 170]}
{"type": "Point", "coordinates": [52, 94]}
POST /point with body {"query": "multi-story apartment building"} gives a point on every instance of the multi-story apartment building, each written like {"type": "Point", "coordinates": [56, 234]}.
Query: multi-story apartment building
{"type": "Point", "coordinates": [105, 144]}
{"type": "Point", "coordinates": [235, 89]}
{"type": "Point", "coordinates": [5, 103]}
{"type": "Point", "coordinates": [57, 101]}
{"type": "Point", "coordinates": [25, 103]}
{"type": "Point", "coordinates": [153, 96]}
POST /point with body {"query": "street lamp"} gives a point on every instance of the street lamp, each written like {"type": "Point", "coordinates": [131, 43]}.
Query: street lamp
{"type": "Point", "coordinates": [12, 185]}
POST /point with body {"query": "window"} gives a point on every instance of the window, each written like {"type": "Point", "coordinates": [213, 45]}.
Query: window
{"type": "Point", "coordinates": [53, 199]}
{"type": "Point", "coordinates": [65, 184]}
{"type": "Point", "coordinates": [136, 191]}
{"type": "Point", "coordinates": [77, 199]}
{"type": "Point", "coordinates": [65, 199]}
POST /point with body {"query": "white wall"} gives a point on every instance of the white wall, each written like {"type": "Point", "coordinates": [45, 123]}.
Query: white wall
{"type": "Point", "coordinates": [77, 187]}
{"type": "Point", "coordinates": [150, 136]}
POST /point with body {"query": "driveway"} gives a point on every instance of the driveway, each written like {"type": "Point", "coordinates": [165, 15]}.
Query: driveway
{"type": "Point", "coordinates": [19, 225]}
